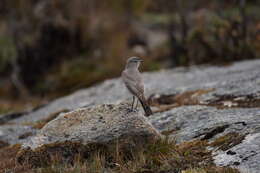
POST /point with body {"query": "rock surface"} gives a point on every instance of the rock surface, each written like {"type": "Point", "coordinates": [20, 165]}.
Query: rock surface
{"type": "Point", "coordinates": [239, 79]}
{"type": "Point", "coordinates": [190, 122]}
{"type": "Point", "coordinates": [230, 105]}
{"type": "Point", "coordinates": [13, 134]}
{"type": "Point", "coordinates": [244, 156]}
{"type": "Point", "coordinates": [98, 124]}
{"type": "Point", "coordinates": [208, 123]}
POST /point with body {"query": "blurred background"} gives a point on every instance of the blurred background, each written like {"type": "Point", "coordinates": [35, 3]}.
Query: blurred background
{"type": "Point", "coordinates": [50, 48]}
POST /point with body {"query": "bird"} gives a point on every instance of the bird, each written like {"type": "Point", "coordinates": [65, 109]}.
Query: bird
{"type": "Point", "coordinates": [133, 81]}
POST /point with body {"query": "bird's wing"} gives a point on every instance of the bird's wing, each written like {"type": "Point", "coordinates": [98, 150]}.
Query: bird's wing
{"type": "Point", "coordinates": [134, 83]}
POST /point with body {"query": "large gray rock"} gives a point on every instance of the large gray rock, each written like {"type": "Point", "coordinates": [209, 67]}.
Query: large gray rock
{"type": "Point", "coordinates": [208, 123]}
{"type": "Point", "coordinates": [190, 122]}
{"type": "Point", "coordinates": [13, 133]}
{"type": "Point", "coordinates": [246, 155]}
{"type": "Point", "coordinates": [105, 128]}
{"type": "Point", "coordinates": [98, 124]}
{"type": "Point", "coordinates": [239, 79]}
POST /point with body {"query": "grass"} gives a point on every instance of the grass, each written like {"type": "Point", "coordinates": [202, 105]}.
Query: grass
{"type": "Point", "coordinates": [8, 160]}
{"type": "Point", "coordinates": [158, 157]}
{"type": "Point", "coordinates": [210, 170]}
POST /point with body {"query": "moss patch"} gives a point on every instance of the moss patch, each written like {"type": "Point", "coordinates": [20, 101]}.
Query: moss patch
{"type": "Point", "coordinates": [230, 101]}
{"type": "Point", "coordinates": [167, 102]}
{"type": "Point", "coordinates": [228, 141]}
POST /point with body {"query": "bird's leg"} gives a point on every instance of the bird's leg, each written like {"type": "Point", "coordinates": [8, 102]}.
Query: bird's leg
{"type": "Point", "coordinates": [136, 105]}
{"type": "Point", "coordinates": [132, 107]}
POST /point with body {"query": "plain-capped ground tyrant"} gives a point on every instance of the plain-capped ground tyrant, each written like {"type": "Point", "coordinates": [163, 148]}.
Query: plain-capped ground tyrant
{"type": "Point", "coordinates": [133, 81]}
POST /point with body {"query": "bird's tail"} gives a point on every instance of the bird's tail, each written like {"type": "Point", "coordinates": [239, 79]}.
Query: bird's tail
{"type": "Point", "coordinates": [145, 106]}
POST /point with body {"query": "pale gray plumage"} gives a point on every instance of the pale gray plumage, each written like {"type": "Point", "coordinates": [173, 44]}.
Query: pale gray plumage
{"type": "Point", "coordinates": [133, 81]}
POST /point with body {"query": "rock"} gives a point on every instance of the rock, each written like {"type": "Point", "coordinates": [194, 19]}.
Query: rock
{"type": "Point", "coordinates": [13, 133]}
{"type": "Point", "coordinates": [245, 155]}
{"type": "Point", "coordinates": [190, 122]}
{"type": "Point", "coordinates": [208, 123]}
{"type": "Point", "coordinates": [104, 125]}
{"type": "Point", "coordinates": [101, 124]}
{"type": "Point", "coordinates": [239, 79]}
{"type": "Point", "coordinates": [10, 116]}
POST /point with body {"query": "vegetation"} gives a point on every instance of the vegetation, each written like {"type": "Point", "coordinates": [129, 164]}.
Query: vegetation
{"type": "Point", "coordinates": [228, 141]}
{"type": "Point", "coordinates": [159, 157]}
{"type": "Point", "coordinates": [52, 48]}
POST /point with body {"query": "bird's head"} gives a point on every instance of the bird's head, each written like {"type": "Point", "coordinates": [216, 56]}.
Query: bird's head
{"type": "Point", "coordinates": [133, 62]}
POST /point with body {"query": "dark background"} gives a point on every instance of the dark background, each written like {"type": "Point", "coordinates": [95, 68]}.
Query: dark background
{"type": "Point", "coordinates": [49, 48]}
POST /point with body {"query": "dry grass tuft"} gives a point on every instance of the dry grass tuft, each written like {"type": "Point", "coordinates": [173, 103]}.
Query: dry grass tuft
{"type": "Point", "coordinates": [230, 101]}
{"type": "Point", "coordinates": [228, 141]}
{"type": "Point", "coordinates": [211, 170]}
{"type": "Point", "coordinates": [158, 157]}
{"type": "Point", "coordinates": [3, 144]}
{"type": "Point", "coordinates": [8, 160]}
{"type": "Point", "coordinates": [167, 102]}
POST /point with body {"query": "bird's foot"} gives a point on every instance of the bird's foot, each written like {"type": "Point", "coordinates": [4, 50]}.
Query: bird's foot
{"type": "Point", "coordinates": [129, 110]}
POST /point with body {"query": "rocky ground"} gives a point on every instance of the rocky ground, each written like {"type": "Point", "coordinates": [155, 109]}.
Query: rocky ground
{"type": "Point", "coordinates": [220, 105]}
